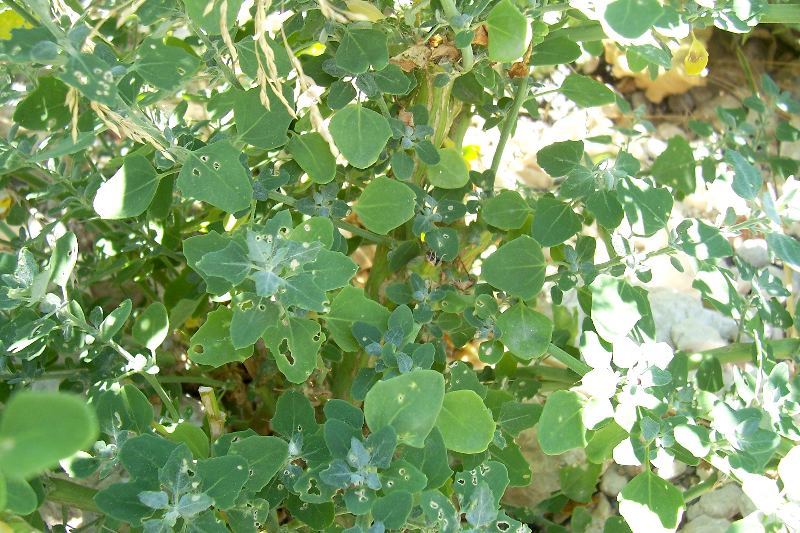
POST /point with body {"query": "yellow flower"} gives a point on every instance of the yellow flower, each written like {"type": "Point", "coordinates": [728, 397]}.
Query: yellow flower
{"type": "Point", "coordinates": [696, 58]}
{"type": "Point", "coordinates": [10, 20]}
{"type": "Point", "coordinates": [5, 203]}
{"type": "Point", "coordinates": [471, 153]}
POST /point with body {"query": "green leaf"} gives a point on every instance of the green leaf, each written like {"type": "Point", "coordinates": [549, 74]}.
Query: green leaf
{"type": "Point", "coordinates": [606, 208]}
{"type": "Point", "coordinates": [554, 221]}
{"type": "Point", "coordinates": [632, 18]}
{"type": "Point", "coordinates": [222, 478]}
{"type": "Point", "coordinates": [126, 408]}
{"type": "Point", "coordinates": [164, 67]}
{"type": "Point", "coordinates": [360, 134]}
{"type": "Point", "coordinates": [348, 307]}
{"type": "Point", "coordinates": [197, 247]}
{"type": "Point", "coordinates": [409, 403]}
{"type": "Point", "coordinates": [38, 429]}
{"type": "Point", "coordinates": [297, 357]}
{"type": "Point", "coordinates": [151, 326]}
{"type": "Point", "coordinates": [120, 501]}
{"type": "Point", "coordinates": [265, 457]}
{"type": "Point", "coordinates": [465, 423]}
{"type": "Point", "coordinates": [385, 204]}
{"type": "Point", "coordinates": [403, 476]}
{"type": "Point", "coordinates": [129, 191]}
{"type": "Point", "coordinates": [392, 80]}
{"type": "Point", "coordinates": [362, 48]}
{"type": "Point", "coordinates": [432, 459]}
{"type": "Point", "coordinates": [44, 108]}
{"type": "Point", "coordinates": [251, 317]}
{"type": "Point", "coordinates": [257, 125]}
{"type": "Point", "coordinates": [230, 263]}
{"type": "Point", "coordinates": [702, 241]}
{"type": "Point", "coordinates": [747, 178]}
{"type": "Point", "coordinates": [192, 436]}
{"type": "Point", "coordinates": [525, 332]}
{"type": "Point", "coordinates": [651, 503]}
{"type": "Point", "coordinates": [293, 414]}
{"type": "Point", "coordinates": [331, 270]}
{"type": "Point", "coordinates": [114, 321]}
{"type": "Point", "coordinates": [675, 166]}
{"type": "Point", "coordinates": [515, 417]}
{"type": "Point", "coordinates": [211, 344]}
{"type": "Point", "coordinates": [312, 153]}
{"type": "Point", "coordinates": [586, 92]}
{"type": "Point", "coordinates": [646, 207]}
{"type": "Point", "coordinates": [92, 77]}
{"type": "Point", "coordinates": [20, 498]}
{"type": "Point", "coordinates": [561, 424]}
{"type": "Point", "coordinates": [615, 307]}
{"type": "Point", "coordinates": [207, 14]}
{"type": "Point", "coordinates": [507, 29]}
{"type": "Point", "coordinates": [507, 210]}
{"type": "Point", "coordinates": [215, 175]}
{"type": "Point", "coordinates": [516, 267]}
{"type": "Point", "coordinates": [393, 509]}
{"type": "Point", "coordinates": [450, 172]}
{"type": "Point", "coordinates": [63, 259]}
{"type": "Point", "coordinates": [603, 442]}
{"type": "Point", "coordinates": [556, 51]}
{"type": "Point", "coordinates": [559, 159]}
{"type": "Point", "coordinates": [785, 248]}
{"type": "Point", "coordinates": [312, 230]}
{"type": "Point", "coordinates": [579, 482]}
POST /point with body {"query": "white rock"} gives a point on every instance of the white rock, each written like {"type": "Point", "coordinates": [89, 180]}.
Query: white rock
{"type": "Point", "coordinates": [706, 524]}
{"type": "Point", "coordinates": [690, 336]}
{"type": "Point", "coordinates": [612, 482]}
{"type": "Point", "coordinates": [722, 503]}
{"type": "Point", "coordinates": [754, 252]}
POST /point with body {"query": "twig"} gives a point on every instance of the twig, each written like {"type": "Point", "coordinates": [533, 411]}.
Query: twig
{"type": "Point", "coordinates": [509, 124]}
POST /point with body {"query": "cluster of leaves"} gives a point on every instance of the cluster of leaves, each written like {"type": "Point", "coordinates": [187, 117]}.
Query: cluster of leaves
{"type": "Point", "coordinates": [262, 215]}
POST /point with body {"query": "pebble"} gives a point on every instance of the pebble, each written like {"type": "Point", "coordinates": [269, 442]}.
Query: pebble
{"type": "Point", "coordinates": [754, 252]}
{"type": "Point", "coordinates": [722, 503]}
{"type": "Point", "coordinates": [706, 524]}
{"type": "Point", "coordinates": [612, 482]}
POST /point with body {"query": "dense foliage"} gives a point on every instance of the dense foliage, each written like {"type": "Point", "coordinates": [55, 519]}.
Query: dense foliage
{"type": "Point", "coordinates": [249, 282]}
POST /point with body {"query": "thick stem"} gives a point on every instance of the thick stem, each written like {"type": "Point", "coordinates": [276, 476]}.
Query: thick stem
{"type": "Point", "coordinates": [71, 494]}
{"type": "Point", "coordinates": [509, 124]}
{"type": "Point", "coordinates": [574, 364]}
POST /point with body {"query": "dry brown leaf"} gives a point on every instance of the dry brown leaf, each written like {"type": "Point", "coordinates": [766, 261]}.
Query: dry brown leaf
{"type": "Point", "coordinates": [406, 118]}
{"type": "Point", "coordinates": [518, 70]}
{"type": "Point", "coordinates": [481, 36]}
{"type": "Point", "coordinates": [445, 51]}
{"type": "Point", "coordinates": [416, 56]}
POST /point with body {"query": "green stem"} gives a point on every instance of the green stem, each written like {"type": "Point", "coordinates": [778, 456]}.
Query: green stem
{"type": "Point", "coordinates": [165, 399]}
{"type": "Point", "coordinates": [509, 124]}
{"type": "Point", "coordinates": [452, 13]}
{"type": "Point", "coordinates": [195, 380]}
{"type": "Point", "coordinates": [701, 488]}
{"type": "Point", "coordinates": [71, 494]}
{"type": "Point", "coordinates": [741, 352]}
{"type": "Point", "coordinates": [574, 364]}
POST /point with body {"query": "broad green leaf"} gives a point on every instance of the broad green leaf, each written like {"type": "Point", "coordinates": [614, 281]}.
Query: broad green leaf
{"type": "Point", "coordinates": [525, 332]}
{"type": "Point", "coordinates": [603, 442]}
{"type": "Point", "coordinates": [20, 497]}
{"type": "Point", "coordinates": [675, 166]}
{"type": "Point", "coordinates": [230, 263]}
{"type": "Point", "coordinates": [45, 107]}
{"type": "Point", "coordinates": [392, 80]}
{"type": "Point", "coordinates": [559, 159]}
{"type": "Point", "coordinates": [115, 320]}
{"type": "Point", "coordinates": [248, 60]}
{"type": "Point", "coordinates": [331, 270]}
{"type": "Point", "coordinates": [222, 478]}
{"type": "Point", "coordinates": [251, 317]}
{"type": "Point", "coordinates": [586, 92]}
{"type": "Point", "coordinates": [143, 456]}
{"type": "Point", "coordinates": [515, 417]}
{"type": "Point", "coordinates": [785, 248]}
{"type": "Point", "coordinates": [694, 438]}
{"type": "Point", "coordinates": [554, 222]}
{"type": "Point", "coordinates": [385, 204]}
{"type": "Point", "coordinates": [257, 125]}
{"type": "Point", "coordinates": [294, 414]}
{"type": "Point", "coordinates": [556, 51]}
{"type": "Point", "coordinates": [632, 18]}
{"type": "Point", "coordinates": [215, 175]}
{"type": "Point", "coordinates": [120, 501]}
{"type": "Point", "coordinates": [129, 191]}
{"type": "Point", "coordinates": [561, 424]}
{"type": "Point", "coordinates": [517, 466]}
{"type": "Point", "coordinates": [126, 408]}
{"type": "Point", "coordinates": [450, 172]}
{"type": "Point", "coordinates": [702, 241]}
{"type": "Point", "coordinates": [151, 326]}
{"type": "Point", "coordinates": [646, 207]}
{"type": "Point", "coordinates": [493, 474]}
{"type": "Point", "coordinates": [409, 403]}
{"type": "Point", "coordinates": [265, 455]}
{"type": "Point", "coordinates": [38, 429]}
{"type": "Point", "coordinates": [431, 459]}
{"type": "Point", "coordinates": [360, 134]}
{"type": "Point", "coordinates": [403, 476]}
{"type": "Point", "coordinates": [295, 346]}
{"type": "Point", "coordinates": [193, 437]}
{"type": "Point", "coordinates": [362, 48]}
{"type": "Point", "coordinates": [516, 267]}
{"type": "Point", "coordinates": [747, 178]}
{"type": "Point", "coordinates": [92, 77]}
{"type": "Point", "coordinates": [465, 423]}
{"type": "Point", "coordinates": [312, 230]}
{"type": "Point", "coordinates": [393, 509]}
{"type": "Point", "coordinates": [207, 14]}
{"type": "Point", "coordinates": [63, 259]}
{"type": "Point", "coordinates": [197, 247]}
{"type": "Point", "coordinates": [649, 503]}
{"type": "Point", "coordinates": [507, 210]}
{"type": "Point", "coordinates": [164, 67]}
{"type": "Point", "coordinates": [507, 29]}
{"type": "Point", "coordinates": [312, 153]}
{"type": "Point", "coordinates": [211, 344]}
{"type": "Point", "coordinates": [579, 482]}
{"type": "Point", "coordinates": [351, 305]}
{"type": "Point", "coordinates": [605, 207]}
{"type": "Point", "coordinates": [318, 516]}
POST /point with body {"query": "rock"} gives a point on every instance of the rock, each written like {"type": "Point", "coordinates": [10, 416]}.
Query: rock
{"type": "Point", "coordinates": [671, 308]}
{"type": "Point", "coordinates": [706, 524]}
{"type": "Point", "coordinates": [612, 482]}
{"type": "Point", "coordinates": [754, 252]}
{"type": "Point", "coordinates": [690, 336]}
{"type": "Point", "coordinates": [722, 503]}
